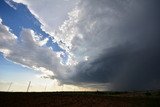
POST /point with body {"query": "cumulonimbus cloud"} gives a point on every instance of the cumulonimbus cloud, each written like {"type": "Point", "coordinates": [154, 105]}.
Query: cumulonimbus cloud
{"type": "Point", "coordinates": [121, 41]}
{"type": "Point", "coordinates": [108, 42]}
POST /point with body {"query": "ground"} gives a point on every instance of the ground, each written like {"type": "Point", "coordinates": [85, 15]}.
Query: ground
{"type": "Point", "coordinates": [80, 99]}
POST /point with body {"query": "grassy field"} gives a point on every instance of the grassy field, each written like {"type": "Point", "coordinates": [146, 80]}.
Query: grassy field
{"type": "Point", "coordinates": [80, 99]}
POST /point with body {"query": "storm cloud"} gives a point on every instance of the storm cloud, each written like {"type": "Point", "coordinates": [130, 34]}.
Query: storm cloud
{"type": "Point", "coordinates": [123, 45]}
{"type": "Point", "coordinates": [110, 44]}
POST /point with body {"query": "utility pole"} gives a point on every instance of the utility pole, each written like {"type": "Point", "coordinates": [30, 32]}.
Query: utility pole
{"type": "Point", "coordinates": [28, 86]}
{"type": "Point", "coordinates": [62, 88]}
{"type": "Point", "coordinates": [45, 88]}
{"type": "Point", "coordinates": [9, 86]}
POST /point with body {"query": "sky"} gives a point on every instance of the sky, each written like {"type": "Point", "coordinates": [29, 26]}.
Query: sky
{"type": "Point", "coordinates": [68, 45]}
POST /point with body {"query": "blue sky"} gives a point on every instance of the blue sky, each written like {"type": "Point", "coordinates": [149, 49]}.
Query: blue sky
{"type": "Point", "coordinates": [16, 20]}
{"type": "Point", "coordinates": [21, 17]}
{"type": "Point", "coordinates": [17, 16]}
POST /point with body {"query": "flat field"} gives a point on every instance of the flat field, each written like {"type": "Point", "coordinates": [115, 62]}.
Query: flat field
{"type": "Point", "coordinates": [80, 99]}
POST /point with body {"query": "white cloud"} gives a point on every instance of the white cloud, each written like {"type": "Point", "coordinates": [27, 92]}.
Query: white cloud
{"type": "Point", "coordinates": [88, 31]}
{"type": "Point", "coordinates": [82, 28]}
{"type": "Point", "coordinates": [67, 31]}
{"type": "Point", "coordinates": [43, 42]}
{"type": "Point", "coordinates": [85, 29]}
{"type": "Point", "coordinates": [11, 4]}
{"type": "Point", "coordinates": [28, 52]}
{"type": "Point", "coordinates": [56, 17]}
{"type": "Point", "coordinates": [51, 13]}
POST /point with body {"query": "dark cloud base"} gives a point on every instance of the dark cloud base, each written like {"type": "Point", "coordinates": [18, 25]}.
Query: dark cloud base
{"type": "Point", "coordinates": [135, 63]}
